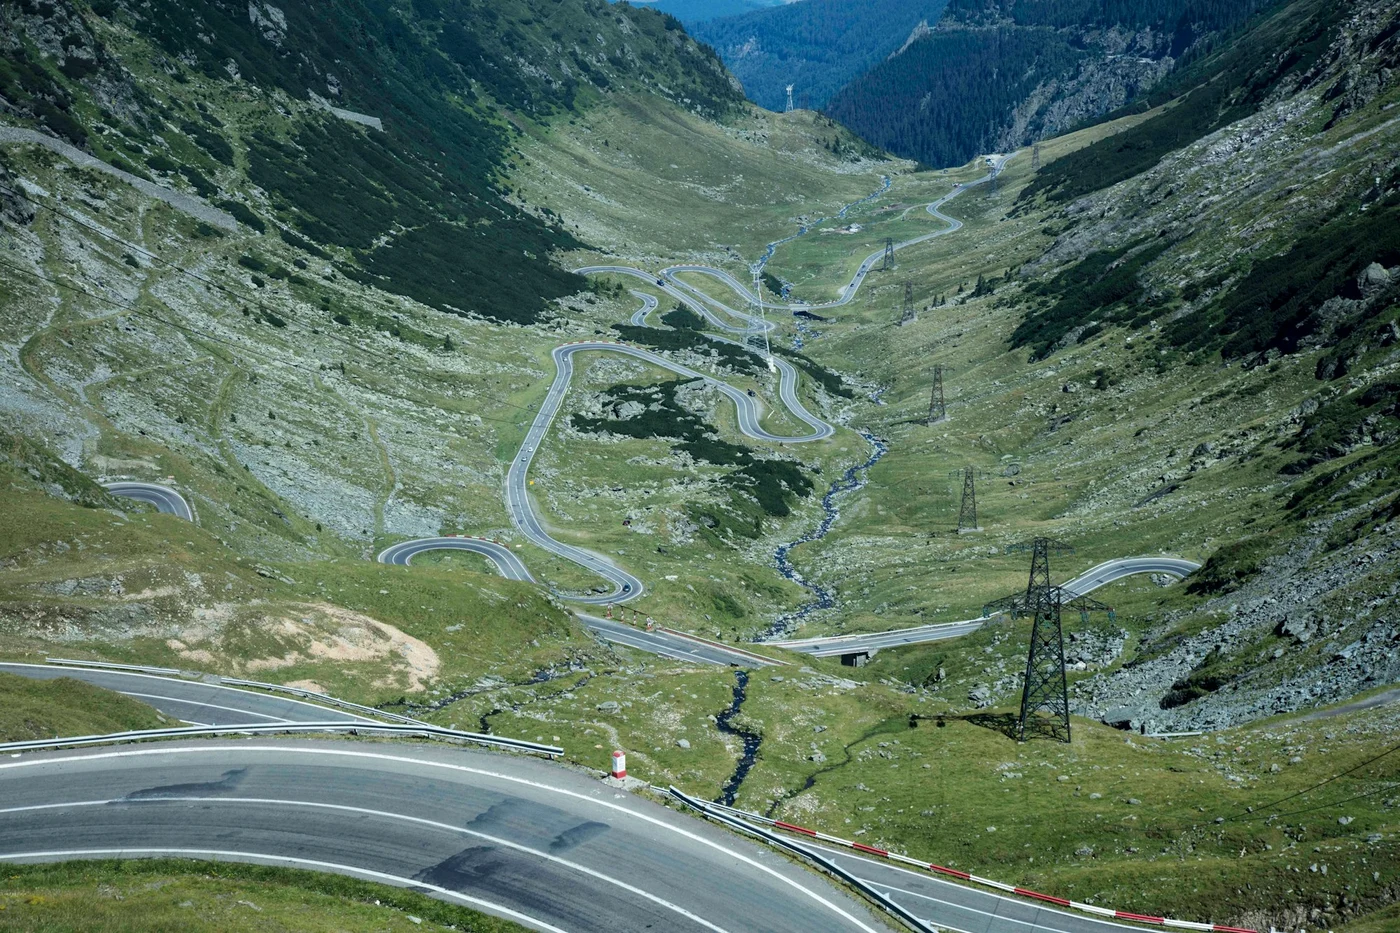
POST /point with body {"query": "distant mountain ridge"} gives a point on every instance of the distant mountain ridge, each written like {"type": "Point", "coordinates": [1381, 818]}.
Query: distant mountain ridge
{"type": "Point", "coordinates": [691, 12]}
{"type": "Point", "coordinates": [993, 75]}
{"type": "Point", "coordinates": [815, 45]}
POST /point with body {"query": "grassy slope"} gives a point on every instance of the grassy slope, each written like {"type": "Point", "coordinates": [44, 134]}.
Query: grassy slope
{"type": "Point", "coordinates": [45, 709]}
{"type": "Point", "coordinates": [150, 589]}
{"type": "Point", "coordinates": [159, 895]}
{"type": "Point", "coordinates": [652, 181]}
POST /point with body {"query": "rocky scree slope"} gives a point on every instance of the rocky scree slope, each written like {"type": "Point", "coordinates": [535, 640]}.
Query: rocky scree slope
{"type": "Point", "coordinates": [1271, 244]}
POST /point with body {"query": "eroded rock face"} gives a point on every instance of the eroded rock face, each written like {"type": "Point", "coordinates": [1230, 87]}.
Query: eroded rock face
{"type": "Point", "coordinates": [15, 208]}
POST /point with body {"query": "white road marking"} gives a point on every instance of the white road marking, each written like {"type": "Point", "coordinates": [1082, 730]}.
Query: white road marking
{"type": "Point", "coordinates": [365, 811]}
{"type": "Point", "coordinates": [227, 709]}
{"type": "Point", "coordinates": [320, 710]}
{"type": "Point", "coordinates": [465, 769]}
{"type": "Point", "coordinates": [288, 860]}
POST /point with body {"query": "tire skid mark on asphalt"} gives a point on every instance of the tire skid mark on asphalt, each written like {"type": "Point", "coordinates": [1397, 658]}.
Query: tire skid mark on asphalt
{"type": "Point", "coordinates": [404, 818]}
{"type": "Point", "coordinates": [464, 769]}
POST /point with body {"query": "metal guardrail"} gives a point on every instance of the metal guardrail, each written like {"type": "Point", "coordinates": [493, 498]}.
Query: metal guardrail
{"type": "Point", "coordinates": [322, 698]}
{"type": "Point", "coordinates": [720, 815]}
{"type": "Point", "coordinates": [235, 682]}
{"type": "Point", "coordinates": [732, 649]}
{"type": "Point", "coordinates": [353, 728]}
{"type": "Point", "coordinates": [112, 665]}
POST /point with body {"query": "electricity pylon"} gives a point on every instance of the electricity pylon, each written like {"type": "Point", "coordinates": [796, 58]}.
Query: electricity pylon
{"type": "Point", "coordinates": [967, 513]}
{"type": "Point", "coordinates": [889, 254]}
{"type": "Point", "coordinates": [757, 270]}
{"type": "Point", "coordinates": [1046, 688]}
{"type": "Point", "coordinates": [909, 315]}
{"type": "Point", "coordinates": [789, 100]}
{"type": "Point", "coordinates": [937, 410]}
{"type": "Point", "coordinates": [1035, 158]}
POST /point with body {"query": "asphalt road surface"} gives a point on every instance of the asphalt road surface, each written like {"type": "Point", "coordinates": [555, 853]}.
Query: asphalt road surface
{"type": "Point", "coordinates": [623, 586]}
{"type": "Point", "coordinates": [550, 847]}
{"type": "Point", "coordinates": [509, 564]}
{"type": "Point", "coordinates": [947, 905]}
{"type": "Point", "coordinates": [163, 498]}
{"type": "Point", "coordinates": [193, 701]}
{"type": "Point", "coordinates": [1102, 575]}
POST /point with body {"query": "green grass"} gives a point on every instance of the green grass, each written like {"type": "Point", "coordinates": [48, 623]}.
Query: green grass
{"type": "Point", "coordinates": [46, 709]}
{"type": "Point", "coordinates": [186, 896]}
{"type": "Point", "coordinates": [936, 792]}
{"type": "Point", "coordinates": [646, 179]}
{"type": "Point", "coordinates": [151, 589]}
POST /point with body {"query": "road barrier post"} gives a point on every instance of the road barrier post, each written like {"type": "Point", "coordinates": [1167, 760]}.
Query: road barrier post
{"type": "Point", "coordinates": [619, 765]}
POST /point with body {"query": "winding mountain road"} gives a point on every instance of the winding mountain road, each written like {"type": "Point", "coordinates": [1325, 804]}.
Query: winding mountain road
{"type": "Point", "coordinates": [164, 498]}
{"type": "Point", "coordinates": [624, 585]}
{"type": "Point", "coordinates": [547, 846]}
{"type": "Point", "coordinates": [1101, 575]}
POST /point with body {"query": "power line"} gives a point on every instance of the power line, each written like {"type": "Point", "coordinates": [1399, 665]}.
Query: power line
{"type": "Point", "coordinates": [1321, 806]}
{"type": "Point", "coordinates": [1307, 790]}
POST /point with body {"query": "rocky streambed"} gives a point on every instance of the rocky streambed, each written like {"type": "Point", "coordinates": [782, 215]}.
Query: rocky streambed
{"type": "Point", "coordinates": [822, 598]}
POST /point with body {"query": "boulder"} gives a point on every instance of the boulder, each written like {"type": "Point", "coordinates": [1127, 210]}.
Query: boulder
{"type": "Point", "coordinates": [1373, 278]}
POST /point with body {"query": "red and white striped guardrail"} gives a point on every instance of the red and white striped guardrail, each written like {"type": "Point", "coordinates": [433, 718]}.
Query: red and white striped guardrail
{"type": "Point", "coordinates": [998, 885]}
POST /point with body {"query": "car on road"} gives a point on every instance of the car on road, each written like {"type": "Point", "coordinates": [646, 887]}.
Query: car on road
{"type": "Point", "coordinates": [661, 283]}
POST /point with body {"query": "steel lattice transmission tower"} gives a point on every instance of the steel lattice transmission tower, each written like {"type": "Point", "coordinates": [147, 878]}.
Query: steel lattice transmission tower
{"type": "Point", "coordinates": [757, 270]}
{"type": "Point", "coordinates": [909, 315]}
{"type": "Point", "coordinates": [1045, 695]}
{"type": "Point", "coordinates": [1035, 158]}
{"type": "Point", "coordinates": [937, 410]}
{"type": "Point", "coordinates": [789, 100]}
{"type": "Point", "coordinates": [889, 254]}
{"type": "Point", "coordinates": [967, 513]}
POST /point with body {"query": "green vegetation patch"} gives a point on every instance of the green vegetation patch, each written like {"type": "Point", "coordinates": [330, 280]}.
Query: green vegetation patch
{"type": "Point", "coordinates": [187, 896]}
{"type": "Point", "coordinates": [1229, 567]}
{"type": "Point", "coordinates": [828, 380]}
{"type": "Point", "coordinates": [341, 186]}
{"type": "Point", "coordinates": [64, 707]}
{"type": "Point", "coordinates": [1274, 306]}
{"type": "Point", "coordinates": [38, 464]}
{"type": "Point", "coordinates": [1104, 286]}
{"type": "Point", "coordinates": [1369, 416]}
{"type": "Point", "coordinates": [771, 483]}
{"type": "Point", "coordinates": [687, 336]}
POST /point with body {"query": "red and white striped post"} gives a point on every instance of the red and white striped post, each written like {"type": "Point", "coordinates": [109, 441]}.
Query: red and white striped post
{"type": "Point", "coordinates": [619, 765]}
{"type": "Point", "coordinates": [609, 610]}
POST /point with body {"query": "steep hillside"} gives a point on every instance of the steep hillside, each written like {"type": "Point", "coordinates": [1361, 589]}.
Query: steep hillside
{"type": "Point", "coordinates": [1198, 359]}
{"type": "Point", "coordinates": [993, 75]}
{"type": "Point", "coordinates": [142, 87]}
{"type": "Point", "coordinates": [816, 45]}
{"type": "Point", "coordinates": [268, 305]}
{"type": "Point", "coordinates": [328, 324]}
{"type": "Point", "coordinates": [691, 12]}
